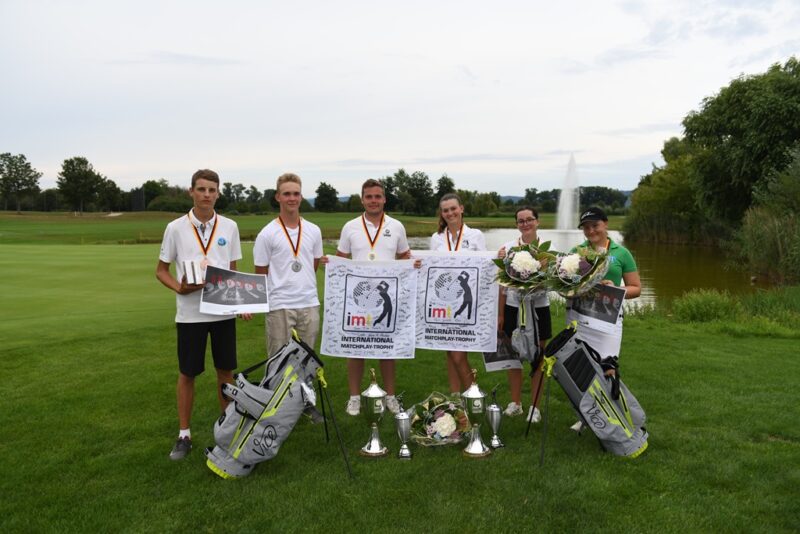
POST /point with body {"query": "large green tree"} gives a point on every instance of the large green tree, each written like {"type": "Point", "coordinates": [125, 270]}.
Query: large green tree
{"type": "Point", "coordinates": [78, 182]}
{"type": "Point", "coordinates": [443, 186]}
{"type": "Point", "coordinates": [17, 178]}
{"type": "Point", "coordinates": [743, 134]}
{"type": "Point", "coordinates": [327, 198]}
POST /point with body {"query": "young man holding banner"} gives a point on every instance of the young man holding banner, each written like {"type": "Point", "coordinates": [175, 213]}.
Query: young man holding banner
{"type": "Point", "coordinates": [288, 251]}
{"type": "Point", "coordinates": [373, 236]}
{"type": "Point", "coordinates": [204, 237]}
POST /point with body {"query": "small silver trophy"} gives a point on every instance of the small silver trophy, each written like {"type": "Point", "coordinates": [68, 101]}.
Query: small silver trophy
{"type": "Point", "coordinates": [474, 405]}
{"type": "Point", "coordinates": [373, 402]}
{"type": "Point", "coordinates": [493, 416]}
{"type": "Point", "coordinates": [402, 421]}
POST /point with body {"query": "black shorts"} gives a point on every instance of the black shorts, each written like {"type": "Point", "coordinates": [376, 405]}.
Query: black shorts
{"type": "Point", "coordinates": [510, 314]}
{"type": "Point", "coordinates": [192, 339]}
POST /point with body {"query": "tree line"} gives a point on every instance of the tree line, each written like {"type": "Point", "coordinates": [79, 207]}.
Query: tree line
{"type": "Point", "coordinates": [82, 188]}
{"type": "Point", "coordinates": [733, 178]}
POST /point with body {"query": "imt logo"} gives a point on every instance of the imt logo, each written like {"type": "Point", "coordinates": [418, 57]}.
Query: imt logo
{"type": "Point", "coordinates": [451, 295]}
{"type": "Point", "coordinates": [370, 304]}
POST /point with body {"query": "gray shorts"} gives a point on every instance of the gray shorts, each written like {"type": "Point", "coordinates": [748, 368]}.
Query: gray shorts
{"type": "Point", "coordinates": [279, 326]}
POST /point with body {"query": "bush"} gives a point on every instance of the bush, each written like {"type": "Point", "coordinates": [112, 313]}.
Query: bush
{"type": "Point", "coordinates": [704, 305]}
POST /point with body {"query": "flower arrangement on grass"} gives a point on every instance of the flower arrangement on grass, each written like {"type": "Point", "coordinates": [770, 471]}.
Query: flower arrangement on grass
{"type": "Point", "coordinates": [526, 267]}
{"type": "Point", "coordinates": [438, 420]}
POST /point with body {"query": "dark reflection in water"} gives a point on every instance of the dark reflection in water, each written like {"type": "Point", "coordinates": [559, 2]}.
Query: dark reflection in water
{"type": "Point", "coordinates": [667, 271]}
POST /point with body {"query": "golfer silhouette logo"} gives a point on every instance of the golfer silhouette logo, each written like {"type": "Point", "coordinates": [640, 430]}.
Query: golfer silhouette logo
{"type": "Point", "coordinates": [466, 296]}
{"type": "Point", "coordinates": [370, 305]}
{"type": "Point", "coordinates": [383, 291]}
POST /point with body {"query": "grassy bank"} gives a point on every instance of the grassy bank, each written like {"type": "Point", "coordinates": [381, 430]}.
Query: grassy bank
{"type": "Point", "coordinates": [88, 419]}
{"type": "Point", "coordinates": [148, 227]}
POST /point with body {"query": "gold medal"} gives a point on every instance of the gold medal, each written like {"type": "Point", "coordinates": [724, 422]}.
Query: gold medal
{"type": "Point", "coordinates": [371, 256]}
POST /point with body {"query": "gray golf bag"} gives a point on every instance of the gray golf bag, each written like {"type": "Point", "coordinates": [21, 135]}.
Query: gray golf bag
{"type": "Point", "coordinates": [604, 404]}
{"type": "Point", "coordinates": [262, 416]}
{"type": "Point", "coordinates": [525, 338]}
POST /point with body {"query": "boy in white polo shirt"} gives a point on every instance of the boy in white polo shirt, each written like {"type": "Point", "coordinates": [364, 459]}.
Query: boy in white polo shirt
{"type": "Point", "coordinates": [288, 250]}
{"type": "Point", "coordinates": [211, 239]}
{"type": "Point", "coordinates": [372, 236]}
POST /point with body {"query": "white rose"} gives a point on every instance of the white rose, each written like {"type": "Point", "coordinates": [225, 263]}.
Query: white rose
{"type": "Point", "coordinates": [569, 264]}
{"type": "Point", "coordinates": [523, 262]}
{"type": "Point", "coordinates": [445, 425]}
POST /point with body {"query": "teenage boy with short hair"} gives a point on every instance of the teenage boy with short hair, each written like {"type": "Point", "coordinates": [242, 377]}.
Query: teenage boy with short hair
{"type": "Point", "coordinates": [372, 236]}
{"type": "Point", "coordinates": [288, 250]}
{"type": "Point", "coordinates": [204, 236]}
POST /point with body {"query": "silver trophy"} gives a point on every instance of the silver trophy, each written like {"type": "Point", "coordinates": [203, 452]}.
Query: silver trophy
{"type": "Point", "coordinates": [373, 402]}
{"type": "Point", "coordinates": [493, 416]}
{"type": "Point", "coordinates": [402, 421]}
{"type": "Point", "coordinates": [475, 406]}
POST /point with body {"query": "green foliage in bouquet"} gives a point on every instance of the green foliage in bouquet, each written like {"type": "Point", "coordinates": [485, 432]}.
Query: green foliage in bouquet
{"type": "Point", "coordinates": [439, 420]}
{"type": "Point", "coordinates": [535, 267]}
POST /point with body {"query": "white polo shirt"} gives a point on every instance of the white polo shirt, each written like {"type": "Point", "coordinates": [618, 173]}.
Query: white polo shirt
{"type": "Point", "coordinates": [471, 239]}
{"type": "Point", "coordinates": [540, 298]}
{"type": "Point", "coordinates": [289, 289]}
{"type": "Point", "coordinates": [181, 243]}
{"type": "Point", "coordinates": [391, 240]}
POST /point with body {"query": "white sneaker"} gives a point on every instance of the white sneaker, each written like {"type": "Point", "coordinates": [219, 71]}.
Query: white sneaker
{"type": "Point", "coordinates": [353, 406]}
{"type": "Point", "coordinates": [577, 427]}
{"type": "Point", "coordinates": [533, 415]}
{"type": "Point", "coordinates": [513, 409]}
{"type": "Point", "coordinates": [392, 405]}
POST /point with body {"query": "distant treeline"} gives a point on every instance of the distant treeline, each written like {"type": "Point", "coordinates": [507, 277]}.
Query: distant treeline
{"type": "Point", "coordinates": [81, 188]}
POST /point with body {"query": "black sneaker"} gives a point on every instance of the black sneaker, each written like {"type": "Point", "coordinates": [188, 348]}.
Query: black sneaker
{"type": "Point", "coordinates": [181, 449]}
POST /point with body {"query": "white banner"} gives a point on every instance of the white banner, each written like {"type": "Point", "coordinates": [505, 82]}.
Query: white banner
{"type": "Point", "coordinates": [370, 308]}
{"type": "Point", "coordinates": [457, 301]}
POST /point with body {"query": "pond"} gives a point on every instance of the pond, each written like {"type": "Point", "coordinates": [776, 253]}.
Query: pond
{"type": "Point", "coordinates": [667, 271]}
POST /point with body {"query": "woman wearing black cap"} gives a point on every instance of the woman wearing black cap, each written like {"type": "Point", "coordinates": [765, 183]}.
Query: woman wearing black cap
{"type": "Point", "coordinates": [622, 268]}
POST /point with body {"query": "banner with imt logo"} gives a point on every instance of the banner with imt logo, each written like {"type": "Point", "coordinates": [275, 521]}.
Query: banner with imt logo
{"type": "Point", "coordinates": [457, 301]}
{"type": "Point", "coordinates": [370, 309]}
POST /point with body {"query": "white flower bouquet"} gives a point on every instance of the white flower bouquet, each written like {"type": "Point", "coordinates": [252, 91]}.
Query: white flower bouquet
{"type": "Point", "coordinates": [438, 420]}
{"type": "Point", "coordinates": [526, 267]}
{"type": "Point", "coordinates": [577, 273]}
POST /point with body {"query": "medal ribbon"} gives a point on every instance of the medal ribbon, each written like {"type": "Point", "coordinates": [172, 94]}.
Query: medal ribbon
{"type": "Point", "coordinates": [199, 238]}
{"type": "Point", "coordinates": [458, 238]}
{"type": "Point", "coordinates": [295, 249]}
{"type": "Point", "coordinates": [377, 234]}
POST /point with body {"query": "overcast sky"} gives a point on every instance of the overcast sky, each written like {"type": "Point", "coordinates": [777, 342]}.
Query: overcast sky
{"type": "Point", "coordinates": [495, 94]}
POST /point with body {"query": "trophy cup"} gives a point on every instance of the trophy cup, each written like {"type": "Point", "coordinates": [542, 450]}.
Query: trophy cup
{"type": "Point", "coordinates": [474, 405]}
{"type": "Point", "coordinates": [493, 416]}
{"type": "Point", "coordinates": [373, 402]}
{"type": "Point", "coordinates": [402, 421]}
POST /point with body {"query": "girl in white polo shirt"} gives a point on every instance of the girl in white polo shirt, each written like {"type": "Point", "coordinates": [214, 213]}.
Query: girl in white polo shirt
{"type": "Point", "coordinates": [455, 236]}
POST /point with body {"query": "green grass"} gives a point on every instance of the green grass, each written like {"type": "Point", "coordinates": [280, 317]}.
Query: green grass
{"type": "Point", "coordinates": [148, 227]}
{"type": "Point", "coordinates": [88, 418]}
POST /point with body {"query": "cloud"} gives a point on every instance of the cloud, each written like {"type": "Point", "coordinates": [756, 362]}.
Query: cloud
{"type": "Point", "coordinates": [613, 57]}
{"type": "Point", "coordinates": [644, 129]}
{"type": "Point", "coordinates": [775, 53]}
{"type": "Point", "coordinates": [456, 158]}
{"type": "Point", "coordinates": [163, 57]}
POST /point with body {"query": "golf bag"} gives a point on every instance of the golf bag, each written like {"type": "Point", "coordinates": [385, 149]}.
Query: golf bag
{"type": "Point", "coordinates": [262, 416]}
{"type": "Point", "coordinates": [525, 339]}
{"type": "Point", "coordinates": [604, 404]}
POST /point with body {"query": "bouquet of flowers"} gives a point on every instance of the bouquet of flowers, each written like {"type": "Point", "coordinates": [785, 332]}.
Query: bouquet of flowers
{"type": "Point", "coordinates": [576, 273]}
{"type": "Point", "coordinates": [526, 267]}
{"type": "Point", "coordinates": [438, 420]}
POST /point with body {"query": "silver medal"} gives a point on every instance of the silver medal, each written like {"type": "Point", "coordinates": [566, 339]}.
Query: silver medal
{"type": "Point", "coordinates": [296, 266]}
{"type": "Point", "coordinates": [371, 256]}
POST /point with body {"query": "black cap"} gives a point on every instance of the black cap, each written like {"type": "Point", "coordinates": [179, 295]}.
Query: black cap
{"type": "Point", "coordinates": [592, 214]}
